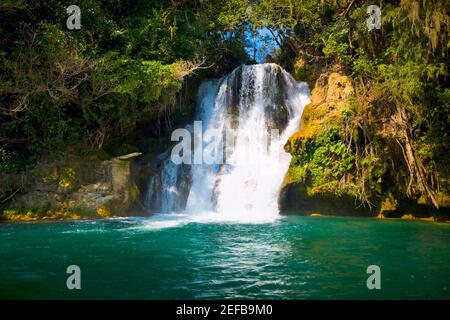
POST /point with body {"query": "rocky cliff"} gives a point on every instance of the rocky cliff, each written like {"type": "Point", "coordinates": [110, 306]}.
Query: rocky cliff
{"type": "Point", "coordinates": [335, 170]}
{"type": "Point", "coordinates": [309, 185]}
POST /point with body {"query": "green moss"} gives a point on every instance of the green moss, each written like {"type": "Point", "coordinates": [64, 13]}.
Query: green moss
{"type": "Point", "coordinates": [388, 204]}
{"type": "Point", "coordinates": [298, 173]}
{"type": "Point", "coordinates": [103, 212]}
{"type": "Point", "coordinates": [67, 178]}
{"type": "Point", "coordinates": [10, 212]}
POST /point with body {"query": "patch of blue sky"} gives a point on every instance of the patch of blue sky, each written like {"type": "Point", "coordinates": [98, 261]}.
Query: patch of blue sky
{"type": "Point", "coordinates": [260, 45]}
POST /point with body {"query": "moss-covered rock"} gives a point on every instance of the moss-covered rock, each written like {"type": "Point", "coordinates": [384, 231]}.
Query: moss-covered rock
{"type": "Point", "coordinates": [317, 180]}
{"type": "Point", "coordinates": [328, 176]}
{"type": "Point", "coordinates": [388, 205]}
{"type": "Point", "coordinates": [75, 187]}
{"type": "Point", "coordinates": [297, 198]}
{"type": "Point", "coordinates": [329, 101]}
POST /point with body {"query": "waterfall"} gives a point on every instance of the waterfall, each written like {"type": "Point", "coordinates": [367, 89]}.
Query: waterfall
{"type": "Point", "coordinates": [246, 118]}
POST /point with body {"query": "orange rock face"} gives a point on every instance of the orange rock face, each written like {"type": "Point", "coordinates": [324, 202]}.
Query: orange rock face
{"type": "Point", "coordinates": [329, 96]}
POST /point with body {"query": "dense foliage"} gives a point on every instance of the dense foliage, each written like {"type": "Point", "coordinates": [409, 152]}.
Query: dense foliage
{"type": "Point", "coordinates": [394, 135]}
{"type": "Point", "coordinates": [91, 88]}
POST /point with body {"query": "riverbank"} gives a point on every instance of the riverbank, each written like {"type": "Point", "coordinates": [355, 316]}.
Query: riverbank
{"type": "Point", "coordinates": [406, 217]}
{"type": "Point", "coordinates": [15, 216]}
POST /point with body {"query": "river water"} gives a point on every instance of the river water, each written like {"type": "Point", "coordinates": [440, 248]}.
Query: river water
{"type": "Point", "coordinates": [177, 256]}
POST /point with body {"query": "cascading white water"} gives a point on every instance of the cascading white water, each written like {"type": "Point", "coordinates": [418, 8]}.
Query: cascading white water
{"type": "Point", "coordinates": [248, 105]}
{"type": "Point", "coordinates": [249, 189]}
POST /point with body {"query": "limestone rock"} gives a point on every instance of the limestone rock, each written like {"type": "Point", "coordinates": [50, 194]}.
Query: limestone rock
{"type": "Point", "coordinates": [328, 98]}
{"type": "Point", "coordinates": [81, 186]}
